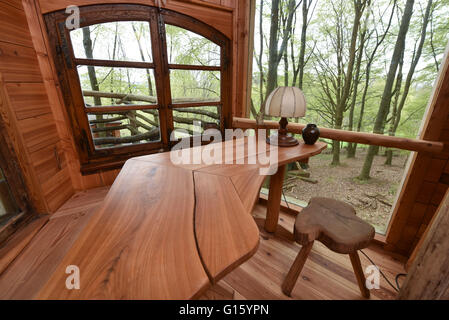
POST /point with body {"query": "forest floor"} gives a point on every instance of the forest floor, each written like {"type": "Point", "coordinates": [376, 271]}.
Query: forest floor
{"type": "Point", "coordinates": [372, 199]}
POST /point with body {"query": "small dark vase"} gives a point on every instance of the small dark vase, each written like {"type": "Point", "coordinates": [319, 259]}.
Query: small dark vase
{"type": "Point", "coordinates": [310, 134]}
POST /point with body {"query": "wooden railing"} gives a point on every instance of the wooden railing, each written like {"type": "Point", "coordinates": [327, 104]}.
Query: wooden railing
{"type": "Point", "coordinates": [350, 136]}
{"type": "Point", "coordinates": [132, 120]}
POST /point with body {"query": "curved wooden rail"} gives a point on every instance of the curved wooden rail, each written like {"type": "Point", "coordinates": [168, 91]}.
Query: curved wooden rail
{"type": "Point", "coordinates": [168, 231]}
{"type": "Point", "coordinates": [351, 136]}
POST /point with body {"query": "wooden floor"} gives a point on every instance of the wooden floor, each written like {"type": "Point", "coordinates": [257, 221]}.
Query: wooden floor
{"type": "Point", "coordinates": [326, 275]}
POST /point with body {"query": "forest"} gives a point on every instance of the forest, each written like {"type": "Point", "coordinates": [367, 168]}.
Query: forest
{"type": "Point", "coordinates": [363, 65]}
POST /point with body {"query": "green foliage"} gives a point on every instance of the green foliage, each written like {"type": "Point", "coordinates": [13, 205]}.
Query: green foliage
{"type": "Point", "coordinates": [335, 18]}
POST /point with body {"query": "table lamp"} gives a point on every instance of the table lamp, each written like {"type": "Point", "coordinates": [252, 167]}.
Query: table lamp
{"type": "Point", "coordinates": [285, 102]}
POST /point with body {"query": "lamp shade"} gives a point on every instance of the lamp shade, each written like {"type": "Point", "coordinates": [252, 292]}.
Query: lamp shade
{"type": "Point", "coordinates": [288, 102]}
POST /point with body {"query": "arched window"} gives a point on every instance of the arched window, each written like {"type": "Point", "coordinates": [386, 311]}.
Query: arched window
{"type": "Point", "coordinates": [132, 75]}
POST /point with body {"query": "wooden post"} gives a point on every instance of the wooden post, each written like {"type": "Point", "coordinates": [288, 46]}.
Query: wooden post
{"type": "Point", "coordinates": [428, 278]}
{"type": "Point", "coordinates": [274, 200]}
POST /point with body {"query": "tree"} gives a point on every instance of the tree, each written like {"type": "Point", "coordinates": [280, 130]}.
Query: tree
{"type": "Point", "coordinates": [399, 105]}
{"type": "Point", "coordinates": [275, 53]}
{"type": "Point", "coordinates": [337, 80]}
{"type": "Point", "coordinates": [299, 69]}
{"type": "Point", "coordinates": [380, 38]}
{"type": "Point", "coordinates": [384, 108]}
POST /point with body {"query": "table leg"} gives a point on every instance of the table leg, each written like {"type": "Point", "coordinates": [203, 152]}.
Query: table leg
{"type": "Point", "coordinates": [274, 200]}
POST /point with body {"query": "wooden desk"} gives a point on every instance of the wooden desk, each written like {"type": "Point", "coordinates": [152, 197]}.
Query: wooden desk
{"type": "Point", "coordinates": [170, 232]}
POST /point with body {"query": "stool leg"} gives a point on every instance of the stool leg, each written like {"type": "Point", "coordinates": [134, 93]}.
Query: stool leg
{"type": "Point", "coordinates": [295, 270]}
{"type": "Point", "coordinates": [355, 260]}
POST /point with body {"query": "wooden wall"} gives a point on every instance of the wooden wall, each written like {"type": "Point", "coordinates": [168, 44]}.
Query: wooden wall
{"type": "Point", "coordinates": [428, 177]}
{"type": "Point", "coordinates": [26, 111]}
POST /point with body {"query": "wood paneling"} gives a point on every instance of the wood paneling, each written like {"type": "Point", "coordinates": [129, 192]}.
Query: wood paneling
{"type": "Point", "coordinates": [425, 186]}
{"type": "Point", "coordinates": [13, 25]}
{"type": "Point", "coordinates": [28, 99]}
{"type": "Point", "coordinates": [45, 162]}
{"type": "Point", "coordinates": [57, 190]}
{"type": "Point", "coordinates": [428, 278]}
{"type": "Point", "coordinates": [18, 63]}
{"type": "Point", "coordinates": [39, 132]}
{"type": "Point", "coordinates": [56, 102]}
{"type": "Point", "coordinates": [15, 3]}
{"type": "Point", "coordinates": [206, 12]}
{"type": "Point", "coordinates": [30, 120]}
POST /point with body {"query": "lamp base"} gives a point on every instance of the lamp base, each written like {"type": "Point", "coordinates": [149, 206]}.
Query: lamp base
{"type": "Point", "coordinates": [283, 141]}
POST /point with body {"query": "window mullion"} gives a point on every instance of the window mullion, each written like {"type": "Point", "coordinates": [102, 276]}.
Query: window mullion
{"type": "Point", "coordinates": [162, 75]}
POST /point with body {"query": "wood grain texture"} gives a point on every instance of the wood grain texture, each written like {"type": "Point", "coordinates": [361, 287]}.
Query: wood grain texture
{"type": "Point", "coordinates": [119, 252]}
{"type": "Point", "coordinates": [216, 16]}
{"type": "Point", "coordinates": [333, 223]}
{"type": "Point", "coordinates": [326, 275]}
{"type": "Point", "coordinates": [428, 277]}
{"type": "Point", "coordinates": [18, 63]}
{"type": "Point", "coordinates": [295, 269]}
{"type": "Point", "coordinates": [164, 231]}
{"type": "Point", "coordinates": [420, 145]}
{"type": "Point", "coordinates": [39, 132]}
{"type": "Point", "coordinates": [359, 274]}
{"type": "Point", "coordinates": [42, 256]}
{"type": "Point", "coordinates": [15, 3]}
{"type": "Point", "coordinates": [13, 25]}
{"type": "Point", "coordinates": [225, 231]}
{"type": "Point", "coordinates": [11, 249]}
{"type": "Point", "coordinates": [248, 187]}
{"type": "Point", "coordinates": [28, 99]}
{"type": "Point", "coordinates": [274, 200]}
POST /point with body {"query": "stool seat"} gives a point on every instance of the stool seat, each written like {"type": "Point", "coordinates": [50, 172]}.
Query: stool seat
{"type": "Point", "coordinates": [333, 223]}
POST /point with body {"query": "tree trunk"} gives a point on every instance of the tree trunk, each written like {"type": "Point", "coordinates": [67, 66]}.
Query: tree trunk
{"type": "Point", "coordinates": [396, 118]}
{"type": "Point", "coordinates": [274, 54]}
{"type": "Point", "coordinates": [302, 49]}
{"type": "Point", "coordinates": [384, 107]}
{"type": "Point", "coordinates": [88, 49]}
{"type": "Point", "coordinates": [352, 146]}
{"type": "Point", "coordinates": [359, 7]}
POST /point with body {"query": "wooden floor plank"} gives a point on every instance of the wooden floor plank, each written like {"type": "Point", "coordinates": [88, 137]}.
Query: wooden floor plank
{"type": "Point", "coordinates": [32, 269]}
{"type": "Point", "coordinates": [12, 248]}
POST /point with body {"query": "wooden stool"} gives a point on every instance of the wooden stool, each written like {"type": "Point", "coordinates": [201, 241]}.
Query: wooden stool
{"type": "Point", "coordinates": [335, 224]}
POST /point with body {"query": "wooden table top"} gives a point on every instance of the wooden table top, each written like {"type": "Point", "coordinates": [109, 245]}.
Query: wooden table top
{"type": "Point", "coordinates": [168, 231]}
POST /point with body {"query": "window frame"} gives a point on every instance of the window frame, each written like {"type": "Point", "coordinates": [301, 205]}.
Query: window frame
{"type": "Point", "coordinates": [11, 169]}
{"type": "Point", "coordinates": [91, 159]}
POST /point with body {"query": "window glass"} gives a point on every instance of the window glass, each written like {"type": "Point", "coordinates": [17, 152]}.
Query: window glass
{"type": "Point", "coordinates": [124, 128]}
{"type": "Point", "coordinates": [8, 206]}
{"type": "Point", "coordinates": [119, 41]}
{"type": "Point", "coordinates": [186, 47]}
{"type": "Point", "coordinates": [108, 86]}
{"type": "Point", "coordinates": [195, 120]}
{"type": "Point", "coordinates": [195, 86]}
